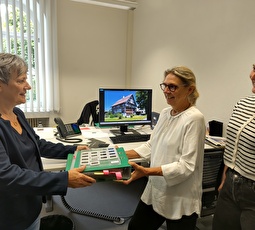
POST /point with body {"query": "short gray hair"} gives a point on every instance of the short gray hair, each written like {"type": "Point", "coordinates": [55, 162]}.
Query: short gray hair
{"type": "Point", "coordinates": [10, 63]}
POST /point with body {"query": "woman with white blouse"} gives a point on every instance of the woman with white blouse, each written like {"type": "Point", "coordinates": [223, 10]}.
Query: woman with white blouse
{"type": "Point", "coordinates": [175, 151]}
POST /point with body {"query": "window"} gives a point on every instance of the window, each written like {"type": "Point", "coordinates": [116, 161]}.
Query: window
{"type": "Point", "coordinates": [28, 28]}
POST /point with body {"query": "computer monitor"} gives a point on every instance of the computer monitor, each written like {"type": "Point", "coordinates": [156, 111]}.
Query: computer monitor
{"type": "Point", "coordinates": [124, 108]}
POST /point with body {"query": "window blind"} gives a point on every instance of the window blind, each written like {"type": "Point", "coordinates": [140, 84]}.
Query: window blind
{"type": "Point", "coordinates": [28, 29]}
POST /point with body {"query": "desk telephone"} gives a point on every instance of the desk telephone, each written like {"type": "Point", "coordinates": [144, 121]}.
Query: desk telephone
{"type": "Point", "coordinates": [67, 130]}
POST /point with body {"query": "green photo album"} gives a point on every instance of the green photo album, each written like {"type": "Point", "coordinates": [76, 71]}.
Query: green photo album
{"type": "Point", "coordinates": [103, 164]}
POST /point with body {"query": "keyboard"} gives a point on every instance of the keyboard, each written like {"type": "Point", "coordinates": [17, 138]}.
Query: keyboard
{"type": "Point", "coordinates": [130, 138]}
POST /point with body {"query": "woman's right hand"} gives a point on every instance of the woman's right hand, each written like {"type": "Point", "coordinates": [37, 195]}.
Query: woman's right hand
{"type": "Point", "coordinates": [77, 179]}
{"type": "Point", "coordinates": [221, 186]}
{"type": "Point", "coordinates": [223, 178]}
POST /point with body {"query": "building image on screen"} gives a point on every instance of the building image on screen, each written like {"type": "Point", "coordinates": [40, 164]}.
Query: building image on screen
{"type": "Point", "coordinates": [124, 107]}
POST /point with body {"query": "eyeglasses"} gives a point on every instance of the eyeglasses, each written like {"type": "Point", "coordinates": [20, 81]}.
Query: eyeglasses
{"type": "Point", "coordinates": [171, 87]}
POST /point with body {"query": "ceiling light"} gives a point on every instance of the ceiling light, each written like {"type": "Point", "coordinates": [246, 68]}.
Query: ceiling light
{"type": "Point", "coordinates": [119, 4]}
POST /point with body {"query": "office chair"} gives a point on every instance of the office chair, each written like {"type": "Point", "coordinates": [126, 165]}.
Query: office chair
{"type": "Point", "coordinates": [154, 119]}
{"type": "Point", "coordinates": [89, 114]}
{"type": "Point", "coordinates": [212, 172]}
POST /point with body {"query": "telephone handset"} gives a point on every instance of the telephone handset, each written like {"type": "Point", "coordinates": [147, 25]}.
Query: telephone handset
{"type": "Point", "coordinates": [67, 130]}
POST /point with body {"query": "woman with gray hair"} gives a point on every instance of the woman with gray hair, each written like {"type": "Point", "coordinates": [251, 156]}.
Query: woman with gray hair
{"type": "Point", "coordinates": [175, 151]}
{"type": "Point", "coordinates": [23, 183]}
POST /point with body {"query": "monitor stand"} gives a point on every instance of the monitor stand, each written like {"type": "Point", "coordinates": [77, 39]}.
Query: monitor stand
{"type": "Point", "coordinates": [123, 130]}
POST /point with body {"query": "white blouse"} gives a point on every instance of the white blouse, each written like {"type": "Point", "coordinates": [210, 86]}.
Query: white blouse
{"type": "Point", "coordinates": [177, 145]}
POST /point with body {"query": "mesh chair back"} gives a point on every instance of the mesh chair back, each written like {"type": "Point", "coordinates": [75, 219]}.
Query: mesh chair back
{"type": "Point", "coordinates": [213, 168]}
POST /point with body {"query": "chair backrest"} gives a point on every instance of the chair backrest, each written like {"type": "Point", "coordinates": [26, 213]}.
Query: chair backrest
{"type": "Point", "coordinates": [212, 168]}
{"type": "Point", "coordinates": [212, 171]}
{"type": "Point", "coordinates": [154, 118]}
{"type": "Point", "coordinates": [89, 114]}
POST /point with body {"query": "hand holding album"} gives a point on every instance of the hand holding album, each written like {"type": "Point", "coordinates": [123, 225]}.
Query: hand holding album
{"type": "Point", "coordinates": [102, 163]}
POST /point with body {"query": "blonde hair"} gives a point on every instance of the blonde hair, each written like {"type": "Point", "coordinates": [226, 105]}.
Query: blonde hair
{"type": "Point", "coordinates": [188, 78]}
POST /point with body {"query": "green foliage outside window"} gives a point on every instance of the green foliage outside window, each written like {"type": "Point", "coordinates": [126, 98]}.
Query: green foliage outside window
{"type": "Point", "coordinates": [16, 44]}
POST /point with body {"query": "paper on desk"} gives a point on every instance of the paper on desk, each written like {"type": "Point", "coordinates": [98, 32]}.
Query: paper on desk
{"type": "Point", "coordinates": [216, 141]}
{"type": "Point", "coordinates": [208, 146]}
{"type": "Point", "coordinates": [45, 132]}
{"type": "Point", "coordinates": [53, 164]}
{"type": "Point", "coordinates": [92, 132]}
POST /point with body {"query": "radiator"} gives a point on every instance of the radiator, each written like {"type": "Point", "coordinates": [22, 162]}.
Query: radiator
{"type": "Point", "coordinates": [35, 121]}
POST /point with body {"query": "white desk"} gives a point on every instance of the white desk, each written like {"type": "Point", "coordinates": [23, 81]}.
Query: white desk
{"type": "Point", "coordinates": [48, 134]}
{"type": "Point", "coordinates": [87, 133]}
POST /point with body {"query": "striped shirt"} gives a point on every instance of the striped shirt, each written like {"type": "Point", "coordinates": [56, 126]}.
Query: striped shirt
{"type": "Point", "coordinates": [240, 147]}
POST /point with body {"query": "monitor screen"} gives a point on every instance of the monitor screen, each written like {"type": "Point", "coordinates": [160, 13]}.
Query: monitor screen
{"type": "Point", "coordinates": [124, 107]}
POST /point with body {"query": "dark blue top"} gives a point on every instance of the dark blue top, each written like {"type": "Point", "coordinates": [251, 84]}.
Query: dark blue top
{"type": "Point", "coordinates": [22, 179]}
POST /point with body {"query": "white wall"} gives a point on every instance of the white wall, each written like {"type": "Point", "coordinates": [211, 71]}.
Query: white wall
{"type": "Point", "coordinates": [92, 42]}
{"type": "Point", "coordinates": [213, 38]}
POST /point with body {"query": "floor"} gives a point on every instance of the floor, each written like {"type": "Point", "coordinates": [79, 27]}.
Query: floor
{"type": "Point", "coordinates": [104, 200]}
{"type": "Point", "coordinates": [205, 223]}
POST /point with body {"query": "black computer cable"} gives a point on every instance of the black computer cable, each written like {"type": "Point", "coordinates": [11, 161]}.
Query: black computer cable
{"type": "Point", "coordinates": [115, 219]}
{"type": "Point", "coordinates": [69, 140]}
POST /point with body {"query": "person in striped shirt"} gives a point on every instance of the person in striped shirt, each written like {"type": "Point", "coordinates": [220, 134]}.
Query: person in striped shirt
{"type": "Point", "coordinates": [235, 208]}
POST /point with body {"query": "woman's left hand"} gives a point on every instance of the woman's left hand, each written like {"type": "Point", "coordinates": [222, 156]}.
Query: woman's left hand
{"type": "Point", "coordinates": [82, 147]}
{"type": "Point", "coordinates": [139, 171]}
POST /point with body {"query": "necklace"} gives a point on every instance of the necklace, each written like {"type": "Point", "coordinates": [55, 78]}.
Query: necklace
{"type": "Point", "coordinates": [13, 121]}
